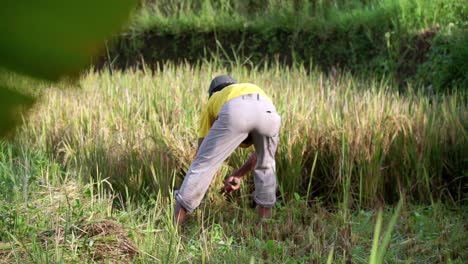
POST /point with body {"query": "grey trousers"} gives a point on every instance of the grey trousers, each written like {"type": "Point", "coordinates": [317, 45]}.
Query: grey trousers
{"type": "Point", "coordinates": [247, 114]}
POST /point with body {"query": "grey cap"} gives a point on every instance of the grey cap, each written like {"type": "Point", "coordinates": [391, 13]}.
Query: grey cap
{"type": "Point", "coordinates": [219, 82]}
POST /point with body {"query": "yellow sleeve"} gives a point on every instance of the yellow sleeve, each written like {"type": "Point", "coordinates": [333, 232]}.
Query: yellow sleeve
{"type": "Point", "coordinates": [206, 121]}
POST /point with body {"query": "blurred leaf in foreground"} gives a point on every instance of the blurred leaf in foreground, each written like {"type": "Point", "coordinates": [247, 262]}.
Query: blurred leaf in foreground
{"type": "Point", "coordinates": [12, 105]}
{"type": "Point", "coordinates": [53, 38]}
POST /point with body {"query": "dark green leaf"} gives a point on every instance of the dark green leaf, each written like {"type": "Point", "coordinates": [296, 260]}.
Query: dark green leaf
{"type": "Point", "coordinates": [12, 105]}
{"type": "Point", "coordinates": [52, 38]}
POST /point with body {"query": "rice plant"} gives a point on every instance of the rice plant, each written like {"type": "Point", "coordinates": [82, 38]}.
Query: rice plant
{"type": "Point", "coordinates": [95, 166]}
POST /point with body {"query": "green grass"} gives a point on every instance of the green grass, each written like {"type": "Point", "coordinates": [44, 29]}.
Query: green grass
{"type": "Point", "coordinates": [139, 131]}
{"type": "Point", "coordinates": [409, 41]}
{"type": "Point", "coordinates": [90, 173]}
{"type": "Point", "coordinates": [67, 221]}
{"type": "Point", "coordinates": [206, 15]}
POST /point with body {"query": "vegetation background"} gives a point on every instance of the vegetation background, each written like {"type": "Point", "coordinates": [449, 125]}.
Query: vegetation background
{"type": "Point", "coordinates": [373, 154]}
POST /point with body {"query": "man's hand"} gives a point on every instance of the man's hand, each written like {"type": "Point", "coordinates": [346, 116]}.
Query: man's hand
{"type": "Point", "coordinates": [231, 184]}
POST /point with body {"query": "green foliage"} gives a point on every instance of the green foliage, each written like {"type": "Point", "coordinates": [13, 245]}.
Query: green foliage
{"type": "Point", "coordinates": [378, 251]}
{"type": "Point", "coordinates": [21, 171]}
{"type": "Point", "coordinates": [12, 104]}
{"type": "Point", "coordinates": [348, 141]}
{"type": "Point", "coordinates": [51, 40]}
{"type": "Point", "coordinates": [131, 135]}
{"type": "Point", "coordinates": [376, 37]}
{"type": "Point", "coordinates": [56, 225]}
{"type": "Point", "coordinates": [55, 38]}
{"type": "Point", "coordinates": [446, 65]}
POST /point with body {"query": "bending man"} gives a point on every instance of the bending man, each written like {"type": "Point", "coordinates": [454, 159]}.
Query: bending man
{"type": "Point", "coordinates": [236, 114]}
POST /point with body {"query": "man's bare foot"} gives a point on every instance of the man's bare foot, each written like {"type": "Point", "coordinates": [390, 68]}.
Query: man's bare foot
{"type": "Point", "coordinates": [179, 214]}
{"type": "Point", "coordinates": [263, 212]}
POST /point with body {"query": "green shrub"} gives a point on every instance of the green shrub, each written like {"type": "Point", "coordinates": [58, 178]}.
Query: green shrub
{"type": "Point", "coordinates": [390, 37]}
{"type": "Point", "coordinates": [447, 62]}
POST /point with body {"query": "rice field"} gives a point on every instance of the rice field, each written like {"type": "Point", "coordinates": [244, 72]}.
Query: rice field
{"type": "Point", "coordinates": [89, 175]}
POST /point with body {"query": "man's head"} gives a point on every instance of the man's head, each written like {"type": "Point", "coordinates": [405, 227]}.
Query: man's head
{"type": "Point", "coordinates": [219, 82]}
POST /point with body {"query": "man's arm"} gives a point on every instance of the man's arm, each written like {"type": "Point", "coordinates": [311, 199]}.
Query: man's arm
{"type": "Point", "coordinates": [232, 183]}
{"type": "Point", "coordinates": [248, 166]}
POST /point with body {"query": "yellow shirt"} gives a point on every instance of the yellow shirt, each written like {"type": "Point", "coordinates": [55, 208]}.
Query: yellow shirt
{"type": "Point", "coordinates": [218, 99]}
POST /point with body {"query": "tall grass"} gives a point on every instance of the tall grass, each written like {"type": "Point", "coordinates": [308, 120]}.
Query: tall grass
{"type": "Point", "coordinates": [371, 144]}
{"type": "Point", "coordinates": [406, 40]}
{"type": "Point", "coordinates": [206, 15]}
{"type": "Point", "coordinates": [131, 135]}
{"type": "Point", "coordinates": [68, 220]}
